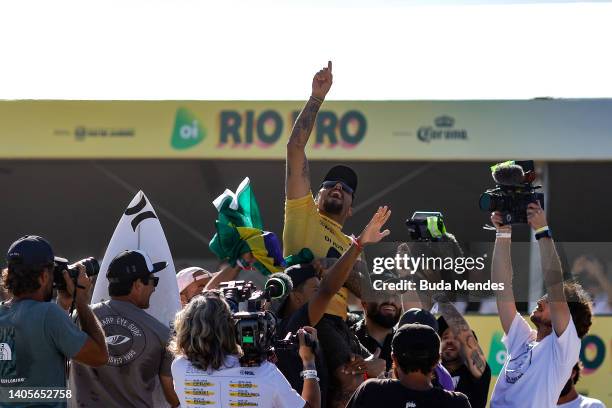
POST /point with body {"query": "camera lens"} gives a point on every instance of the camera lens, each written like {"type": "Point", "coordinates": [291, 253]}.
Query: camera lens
{"type": "Point", "coordinates": [92, 267]}
{"type": "Point", "coordinates": [486, 202]}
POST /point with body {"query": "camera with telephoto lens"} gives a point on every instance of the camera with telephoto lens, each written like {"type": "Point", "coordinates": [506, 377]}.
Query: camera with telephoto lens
{"type": "Point", "coordinates": [256, 327]}
{"type": "Point", "coordinates": [514, 191]}
{"type": "Point", "coordinates": [92, 267]}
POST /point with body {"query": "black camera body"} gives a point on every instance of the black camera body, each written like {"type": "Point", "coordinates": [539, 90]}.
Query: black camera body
{"type": "Point", "coordinates": [256, 327]}
{"type": "Point", "coordinates": [92, 268]}
{"type": "Point", "coordinates": [292, 342]}
{"type": "Point", "coordinates": [514, 191]}
{"type": "Point", "coordinates": [426, 226]}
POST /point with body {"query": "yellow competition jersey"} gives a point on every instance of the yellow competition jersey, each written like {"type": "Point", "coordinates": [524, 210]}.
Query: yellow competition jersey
{"type": "Point", "coordinates": [306, 228]}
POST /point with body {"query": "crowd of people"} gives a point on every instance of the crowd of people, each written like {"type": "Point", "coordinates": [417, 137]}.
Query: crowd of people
{"type": "Point", "coordinates": [398, 355]}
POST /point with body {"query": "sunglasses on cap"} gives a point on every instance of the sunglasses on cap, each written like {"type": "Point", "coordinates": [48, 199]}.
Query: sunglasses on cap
{"type": "Point", "coordinates": [332, 184]}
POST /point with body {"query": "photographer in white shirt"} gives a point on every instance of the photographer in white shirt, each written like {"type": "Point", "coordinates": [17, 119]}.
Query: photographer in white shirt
{"type": "Point", "coordinates": [207, 369]}
{"type": "Point", "coordinates": [539, 362]}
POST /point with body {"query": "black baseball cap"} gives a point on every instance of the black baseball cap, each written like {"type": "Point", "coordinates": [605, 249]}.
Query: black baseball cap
{"type": "Point", "coordinates": [300, 273]}
{"type": "Point", "coordinates": [415, 340]}
{"type": "Point", "coordinates": [30, 250]}
{"type": "Point", "coordinates": [130, 265]}
{"type": "Point", "coordinates": [344, 174]}
{"type": "Point", "coordinates": [421, 316]}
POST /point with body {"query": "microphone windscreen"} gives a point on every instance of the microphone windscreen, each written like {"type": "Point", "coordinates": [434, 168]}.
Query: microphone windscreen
{"type": "Point", "coordinates": [511, 175]}
{"type": "Point", "coordinates": [279, 285]}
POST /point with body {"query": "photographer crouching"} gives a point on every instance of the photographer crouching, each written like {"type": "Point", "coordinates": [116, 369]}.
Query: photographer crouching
{"type": "Point", "coordinates": [207, 369]}
{"type": "Point", "coordinates": [37, 335]}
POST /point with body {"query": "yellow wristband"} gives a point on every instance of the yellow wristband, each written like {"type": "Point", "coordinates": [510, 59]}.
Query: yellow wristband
{"type": "Point", "coordinates": [544, 228]}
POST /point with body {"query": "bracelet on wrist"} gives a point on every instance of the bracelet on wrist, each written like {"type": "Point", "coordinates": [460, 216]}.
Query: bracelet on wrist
{"type": "Point", "coordinates": [316, 99]}
{"type": "Point", "coordinates": [309, 375]}
{"type": "Point", "coordinates": [503, 234]}
{"type": "Point", "coordinates": [358, 244]}
{"type": "Point", "coordinates": [543, 232]}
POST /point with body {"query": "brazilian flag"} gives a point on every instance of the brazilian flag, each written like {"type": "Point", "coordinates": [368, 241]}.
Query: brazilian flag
{"type": "Point", "coordinates": [240, 230]}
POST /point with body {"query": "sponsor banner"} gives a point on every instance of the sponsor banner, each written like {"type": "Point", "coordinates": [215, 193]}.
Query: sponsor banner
{"type": "Point", "coordinates": [595, 354]}
{"type": "Point", "coordinates": [385, 130]}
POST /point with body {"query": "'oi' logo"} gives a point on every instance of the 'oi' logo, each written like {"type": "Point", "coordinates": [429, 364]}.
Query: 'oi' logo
{"type": "Point", "coordinates": [188, 131]}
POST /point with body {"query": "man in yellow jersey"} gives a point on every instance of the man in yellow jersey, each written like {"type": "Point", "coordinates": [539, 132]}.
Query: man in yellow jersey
{"type": "Point", "coordinates": [315, 222]}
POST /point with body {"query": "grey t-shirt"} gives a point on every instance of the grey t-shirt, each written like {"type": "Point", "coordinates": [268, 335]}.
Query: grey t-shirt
{"type": "Point", "coordinates": [137, 348]}
{"type": "Point", "coordinates": [35, 339]}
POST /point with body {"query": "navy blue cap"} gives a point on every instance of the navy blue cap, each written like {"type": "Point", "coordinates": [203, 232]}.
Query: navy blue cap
{"type": "Point", "coordinates": [421, 316]}
{"type": "Point", "coordinates": [30, 250]}
{"type": "Point", "coordinates": [130, 265]}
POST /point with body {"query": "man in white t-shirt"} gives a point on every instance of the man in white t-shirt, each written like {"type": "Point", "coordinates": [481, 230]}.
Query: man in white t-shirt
{"type": "Point", "coordinates": [207, 370]}
{"type": "Point", "coordinates": [538, 362]}
{"type": "Point", "coordinates": [570, 398]}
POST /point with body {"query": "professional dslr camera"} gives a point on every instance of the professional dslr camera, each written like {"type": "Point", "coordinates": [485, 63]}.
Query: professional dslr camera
{"type": "Point", "coordinates": [255, 327]}
{"type": "Point", "coordinates": [426, 226]}
{"type": "Point", "coordinates": [92, 267]}
{"type": "Point", "coordinates": [514, 191]}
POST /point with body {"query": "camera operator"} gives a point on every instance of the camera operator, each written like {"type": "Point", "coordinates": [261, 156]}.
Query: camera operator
{"type": "Point", "coordinates": [137, 342]}
{"type": "Point", "coordinates": [37, 334]}
{"type": "Point", "coordinates": [539, 362]}
{"type": "Point", "coordinates": [207, 368]}
{"type": "Point", "coordinates": [310, 297]}
{"type": "Point", "coordinates": [415, 353]}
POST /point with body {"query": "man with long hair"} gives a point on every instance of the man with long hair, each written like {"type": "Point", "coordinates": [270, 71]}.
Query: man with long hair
{"type": "Point", "coordinates": [540, 361]}
{"type": "Point", "coordinates": [207, 369]}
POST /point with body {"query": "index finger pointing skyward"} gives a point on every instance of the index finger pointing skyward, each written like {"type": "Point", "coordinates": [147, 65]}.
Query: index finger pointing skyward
{"type": "Point", "coordinates": [329, 65]}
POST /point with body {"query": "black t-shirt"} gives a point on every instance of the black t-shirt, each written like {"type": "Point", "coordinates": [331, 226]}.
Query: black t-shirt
{"type": "Point", "coordinates": [392, 394]}
{"type": "Point", "coordinates": [290, 362]}
{"type": "Point", "coordinates": [372, 344]}
{"type": "Point", "coordinates": [476, 389]}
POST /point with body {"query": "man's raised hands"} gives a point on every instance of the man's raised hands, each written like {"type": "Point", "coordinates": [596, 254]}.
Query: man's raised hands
{"type": "Point", "coordinates": [371, 234]}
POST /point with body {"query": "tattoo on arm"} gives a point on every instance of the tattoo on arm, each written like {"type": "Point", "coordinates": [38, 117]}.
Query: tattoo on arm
{"type": "Point", "coordinates": [470, 349]}
{"type": "Point", "coordinates": [304, 123]}
{"type": "Point", "coordinates": [477, 361]}
{"type": "Point", "coordinates": [305, 169]}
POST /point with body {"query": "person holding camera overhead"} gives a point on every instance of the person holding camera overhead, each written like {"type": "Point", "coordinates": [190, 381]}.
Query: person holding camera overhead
{"type": "Point", "coordinates": [207, 369]}
{"type": "Point", "coordinates": [37, 336]}
{"type": "Point", "coordinates": [137, 342]}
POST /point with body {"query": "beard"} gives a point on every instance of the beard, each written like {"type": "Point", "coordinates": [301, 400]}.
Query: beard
{"type": "Point", "coordinates": [48, 295]}
{"type": "Point", "coordinates": [383, 320]}
{"type": "Point", "coordinates": [333, 206]}
{"type": "Point", "coordinates": [539, 322]}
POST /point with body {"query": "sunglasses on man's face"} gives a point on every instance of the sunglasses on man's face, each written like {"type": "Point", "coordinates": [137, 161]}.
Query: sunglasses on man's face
{"type": "Point", "coordinates": [155, 280]}
{"type": "Point", "coordinates": [332, 184]}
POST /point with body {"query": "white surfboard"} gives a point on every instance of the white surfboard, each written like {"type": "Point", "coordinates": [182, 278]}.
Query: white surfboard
{"type": "Point", "coordinates": [139, 228]}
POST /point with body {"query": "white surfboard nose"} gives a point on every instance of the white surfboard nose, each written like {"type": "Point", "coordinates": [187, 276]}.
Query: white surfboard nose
{"type": "Point", "coordinates": [140, 229]}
